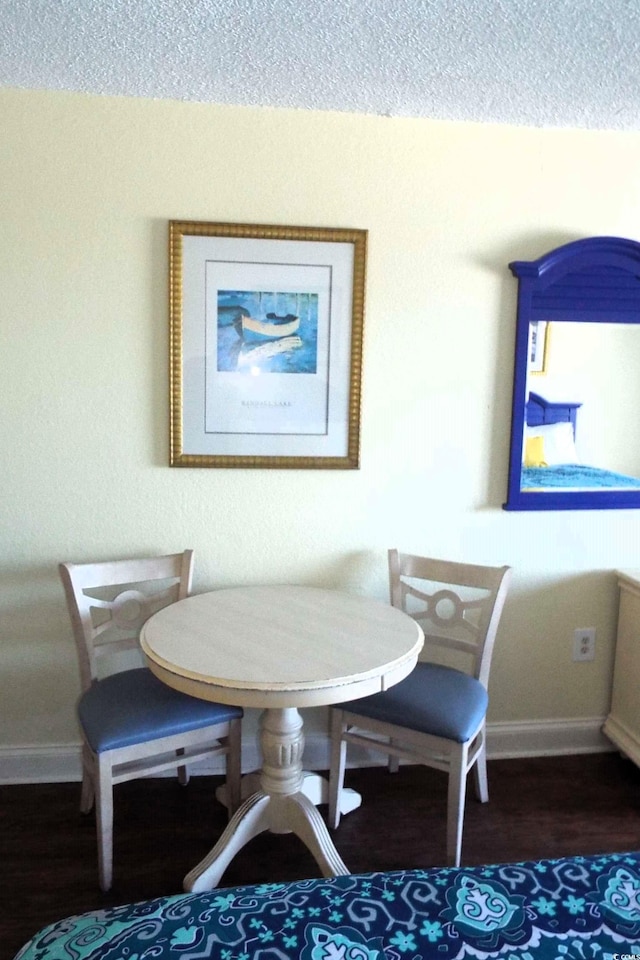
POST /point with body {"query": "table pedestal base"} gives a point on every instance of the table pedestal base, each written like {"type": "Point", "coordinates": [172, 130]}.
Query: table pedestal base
{"type": "Point", "coordinates": [314, 786]}
{"type": "Point", "coordinates": [280, 805]}
{"type": "Point", "coordinates": [295, 814]}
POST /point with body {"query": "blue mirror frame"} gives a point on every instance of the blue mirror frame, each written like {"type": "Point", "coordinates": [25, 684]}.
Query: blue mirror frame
{"type": "Point", "coordinates": [595, 280]}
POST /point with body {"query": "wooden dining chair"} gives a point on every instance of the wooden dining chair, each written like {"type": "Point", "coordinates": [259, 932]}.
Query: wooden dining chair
{"type": "Point", "coordinates": [436, 715]}
{"type": "Point", "coordinates": [132, 724]}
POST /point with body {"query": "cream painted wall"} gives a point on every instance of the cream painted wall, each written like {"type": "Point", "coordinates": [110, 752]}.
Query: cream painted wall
{"type": "Point", "coordinates": [87, 187]}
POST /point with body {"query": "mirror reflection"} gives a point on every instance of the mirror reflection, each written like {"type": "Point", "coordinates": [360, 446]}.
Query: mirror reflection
{"type": "Point", "coordinates": [581, 429]}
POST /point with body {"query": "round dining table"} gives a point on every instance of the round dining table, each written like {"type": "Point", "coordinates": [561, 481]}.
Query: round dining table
{"type": "Point", "coordinates": [278, 648]}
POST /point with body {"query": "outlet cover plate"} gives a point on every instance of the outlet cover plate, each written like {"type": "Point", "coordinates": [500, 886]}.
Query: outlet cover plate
{"type": "Point", "coordinates": [584, 643]}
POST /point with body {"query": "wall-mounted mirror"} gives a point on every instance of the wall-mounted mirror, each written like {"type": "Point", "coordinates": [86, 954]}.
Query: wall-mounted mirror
{"type": "Point", "coordinates": [575, 425]}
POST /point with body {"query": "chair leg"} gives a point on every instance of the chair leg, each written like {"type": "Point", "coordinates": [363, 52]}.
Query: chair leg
{"type": "Point", "coordinates": [234, 766]}
{"type": "Point", "coordinates": [480, 774]}
{"type": "Point", "coordinates": [455, 805]}
{"type": "Point", "coordinates": [338, 763]}
{"type": "Point", "coordinates": [183, 771]}
{"type": "Point", "coordinates": [393, 762]}
{"type": "Point", "coordinates": [104, 822]}
{"type": "Point", "coordinates": [87, 792]}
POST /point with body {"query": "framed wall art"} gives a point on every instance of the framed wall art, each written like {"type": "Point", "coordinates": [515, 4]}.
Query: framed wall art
{"type": "Point", "coordinates": [266, 330]}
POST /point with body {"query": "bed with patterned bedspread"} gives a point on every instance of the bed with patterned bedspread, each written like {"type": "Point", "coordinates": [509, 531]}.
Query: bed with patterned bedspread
{"type": "Point", "coordinates": [575, 476]}
{"type": "Point", "coordinates": [580, 908]}
{"type": "Point", "coordinates": [549, 457]}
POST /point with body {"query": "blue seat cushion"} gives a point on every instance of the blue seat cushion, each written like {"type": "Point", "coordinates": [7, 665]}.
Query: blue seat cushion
{"type": "Point", "coordinates": [134, 706]}
{"type": "Point", "coordinates": [432, 699]}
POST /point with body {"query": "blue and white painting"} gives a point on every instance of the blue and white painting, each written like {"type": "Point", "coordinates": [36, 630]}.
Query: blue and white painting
{"type": "Point", "coordinates": [267, 332]}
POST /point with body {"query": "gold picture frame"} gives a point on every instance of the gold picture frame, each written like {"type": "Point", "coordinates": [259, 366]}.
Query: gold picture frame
{"type": "Point", "coordinates": [266, 327]}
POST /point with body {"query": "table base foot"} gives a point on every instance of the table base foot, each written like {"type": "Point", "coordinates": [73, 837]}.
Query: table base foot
{"type": "Point", "coordinates": [248, 821]}
{"type": "Point", "coordinates": [307, 824]}
{"type": "Point", "coordinates": [293, 813]}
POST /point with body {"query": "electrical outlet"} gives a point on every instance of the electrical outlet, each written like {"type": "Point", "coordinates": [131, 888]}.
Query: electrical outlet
{"type": "Point", "coordinates": [584, 643]}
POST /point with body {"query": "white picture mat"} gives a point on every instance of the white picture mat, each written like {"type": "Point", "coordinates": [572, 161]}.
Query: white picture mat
{"type": "Point", "coordinates": [267, 403]}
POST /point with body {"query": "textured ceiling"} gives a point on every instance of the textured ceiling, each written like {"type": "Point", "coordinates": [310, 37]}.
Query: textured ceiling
{"type": "Point", "coordinates": [566, 63]}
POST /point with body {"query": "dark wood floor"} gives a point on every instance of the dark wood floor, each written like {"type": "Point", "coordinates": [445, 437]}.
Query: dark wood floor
{"type": "Point", "coordinates": [543, 807]}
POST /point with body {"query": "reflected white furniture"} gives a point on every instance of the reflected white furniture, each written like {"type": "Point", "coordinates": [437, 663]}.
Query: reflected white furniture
{"type": "Point", "coordinates": [132, 725]}
{"type": "Point", "coordinates": [436, 716]}
{"type": "Point", "coordinates": [279, 648]}
{"type": "Point", "coordinates": [622, 725]}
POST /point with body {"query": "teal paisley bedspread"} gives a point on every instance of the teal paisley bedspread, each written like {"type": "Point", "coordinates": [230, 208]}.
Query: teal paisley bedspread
{"type": "Point", "coordinates": [574, 476]}
{"type": "Point", "coordinates": [583, 908]}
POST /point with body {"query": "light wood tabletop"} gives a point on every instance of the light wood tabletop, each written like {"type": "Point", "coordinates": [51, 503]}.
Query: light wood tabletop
{"type": "Point", "coordinates": [279, 648]}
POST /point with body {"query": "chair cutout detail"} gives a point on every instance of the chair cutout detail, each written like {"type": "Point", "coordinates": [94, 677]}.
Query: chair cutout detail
{"type": "Point", "coordinates": [435, 716]}
{"type": "Point", "coordinates": [132, 724]}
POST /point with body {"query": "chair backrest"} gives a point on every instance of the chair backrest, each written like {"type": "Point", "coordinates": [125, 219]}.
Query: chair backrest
{"type": "Point", "coordinates": [110, 601]}
{"type": "Point", "coordinates": [458, 605]}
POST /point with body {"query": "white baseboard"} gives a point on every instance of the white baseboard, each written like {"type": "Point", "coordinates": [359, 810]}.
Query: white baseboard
{"type": "Point", "coordinates": [56, 763]}
{"type": "Point", "coordinates": [546, 738]}
{"type": "Point", "coordinates": [53, 763]}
